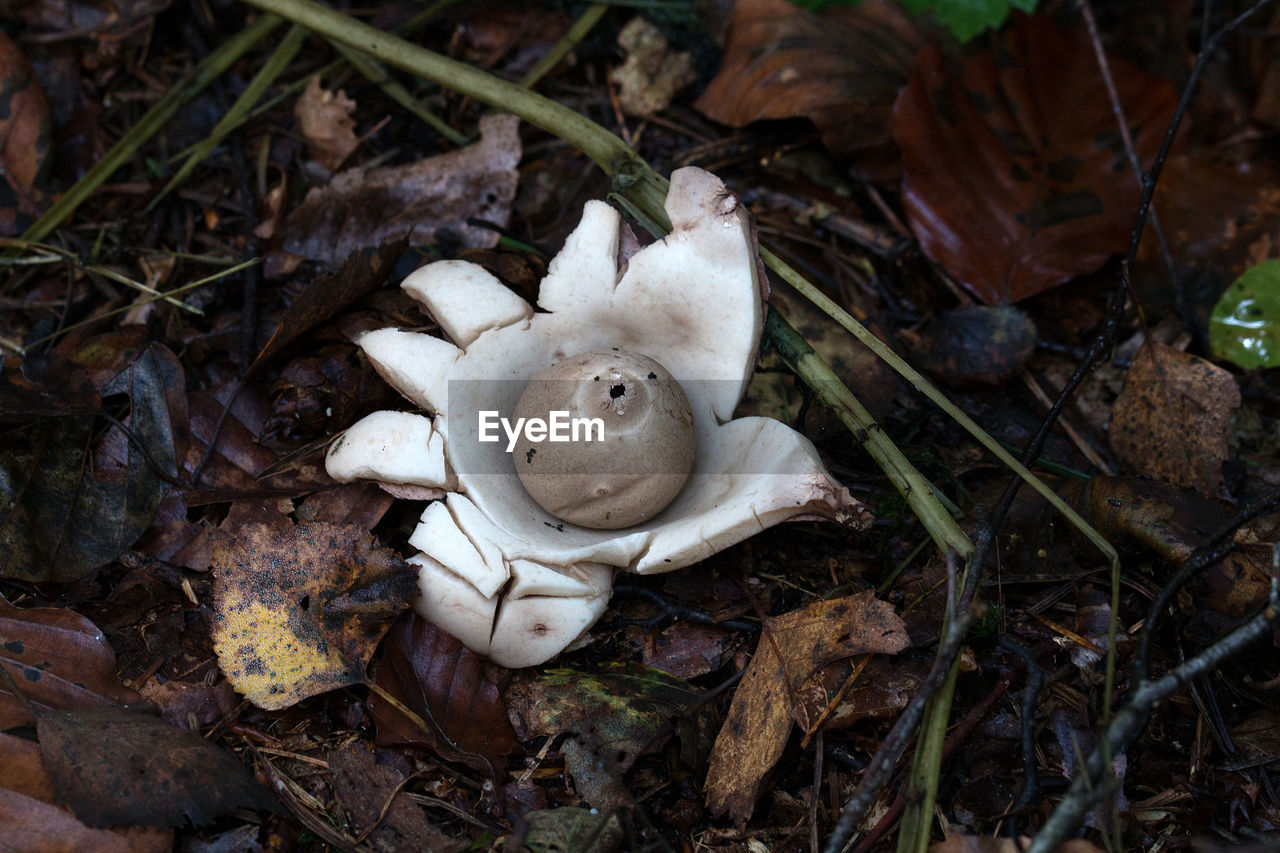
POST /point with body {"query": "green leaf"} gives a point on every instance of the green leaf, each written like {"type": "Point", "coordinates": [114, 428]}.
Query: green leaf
{"type": "Point", "coordinates": [964, 18]}
{"type": "Point", "coordinates": [1245, 325]}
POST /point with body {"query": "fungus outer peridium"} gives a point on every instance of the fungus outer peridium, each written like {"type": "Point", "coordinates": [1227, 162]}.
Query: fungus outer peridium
{"type": "Point", "coordinates": [632, 465]}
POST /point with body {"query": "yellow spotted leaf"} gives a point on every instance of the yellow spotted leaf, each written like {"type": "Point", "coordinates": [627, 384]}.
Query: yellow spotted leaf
{"type": "Point", "coordinates": [300, 609]}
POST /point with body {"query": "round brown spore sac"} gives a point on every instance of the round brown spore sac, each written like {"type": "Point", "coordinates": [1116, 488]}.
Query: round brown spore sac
{"type": "Point", "coordinates": [628, 470]}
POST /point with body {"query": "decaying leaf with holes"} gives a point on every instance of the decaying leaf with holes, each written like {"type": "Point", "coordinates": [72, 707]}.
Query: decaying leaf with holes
{"type": "Point", "coordinates": [300, 609]}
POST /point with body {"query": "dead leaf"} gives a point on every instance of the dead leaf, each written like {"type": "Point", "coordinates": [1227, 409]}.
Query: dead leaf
{"type": "Point", "coordinates": [31, 817]}
{"type": "Point", "coordinates": [115, 767]}
{"type": "Point", "coordinates": [325, 123]}
{"type": "Point", "coordinates": [612, 718]}
{"type": "Point", "coordinates": [58, 659]}
{"type": "Point", "coordinates": [363, 788]}
{"type": "Point", "coordinates": [30, 824]}
{"type": "Point", "coordinates": [569, 828]}
{"type": "Point", "coordinates": [841, 69]}
{"type": "Point", "coordinates": [1172, 421]}
{"type": "Point", "coordinates": [1014, 178]}
{"type": "Point", "coordinates": [428, 200]}
{"type": "Point", "coordinates": [449, 687]}
{"type": "Point", "coordinates": [65, 509]}
{"type": "Point", "coordinates": [792, 649]}
{"type": "Point", "coordinates": [26, 140]}
{"type": "Point", "coordinates": [324, 296]}
{"type": "Point", "coordinates": [299, 610]}
{"type": "Point", "coordinates": [652, 72]}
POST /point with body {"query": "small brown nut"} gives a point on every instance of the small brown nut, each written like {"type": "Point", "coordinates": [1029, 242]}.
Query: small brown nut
{"type": "Point", "coordinates": [622, 470]}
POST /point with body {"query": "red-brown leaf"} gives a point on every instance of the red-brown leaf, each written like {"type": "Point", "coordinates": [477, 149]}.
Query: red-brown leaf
{"type": "Point", "coordinates": [58, 659]}
{"type": "Point", "coordinates": [446, 685]}
{"type": "Point", "coordinates": [1014, 176]}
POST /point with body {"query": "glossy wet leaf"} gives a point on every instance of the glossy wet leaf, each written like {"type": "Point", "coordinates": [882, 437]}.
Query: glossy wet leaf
{"type": "Point", "coordinates": [1245, 325]}
{"type": "Point", "coordinates": [1014, 178]}
{"type": "Point", "coordinates": [299, 610]}
{"type": "Point", "coordinates": [841, 69]}
{"type": "Point", "coordinates": [967, 18]}
{"type": "Point", "coordinates": [1172, 421]}
{"type": "Point", "coordinates": [58, 659]}
{"type": "Point", "coordinates": [450, 688]}
{"type": "Point", "coordinates": [115, 767]}
{"type": "Point", "coordinates": [66, 507]}
{"type": "Point", "coordinates": [793, 648]}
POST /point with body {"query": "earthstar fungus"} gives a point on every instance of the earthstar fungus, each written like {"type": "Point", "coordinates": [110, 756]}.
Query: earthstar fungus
{"type": "Point", "coordinates": [497, 570]}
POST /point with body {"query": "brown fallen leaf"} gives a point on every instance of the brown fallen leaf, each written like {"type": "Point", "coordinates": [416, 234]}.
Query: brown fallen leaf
{"type": "Point", "coordinates": [449, 687]}
{"type": "Point", "coordinates": [793, 648]}
{"type": "Point", "coordinates": [1014, 179]}
{"type": "Point", "coordinates": [652, 72]}
{"type": "Point", "coordinates": [1172, 421]}
{"type": "Point", "coordinates": [116, 767]}
{"type": "Point", "coordinates": [363, 788]}
{"type": "Point", "coordinates": [26, 140]}
{"type": "Point", "coordinates": [428, 199]}
{"type": "Point", "coordinates": [30, 824]}
{"type": "Point", "coordinates": [841, 69]}
{"type": "Point", "coordinates": [299, 610]}
{"type": "Point", "coordinates": [32, 819]}
{"type": "Point", "coordinates": [325, 123]}
{"type": "Point", "coordinates": [58, 659]}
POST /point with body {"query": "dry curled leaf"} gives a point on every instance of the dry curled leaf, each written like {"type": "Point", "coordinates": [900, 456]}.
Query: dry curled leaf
{"type": "Point", "coordinates": [1172, 421]}
{"type": "Point", "coordinates": [793, 648]}
{"type": "Point", "coordinates": [429, 199]}
{"type": "Point", "coordinates": [299, 610]}
{"type": "Point", "coordinates": [1014, 176]}
{"type": "Point", "coordinates": [325, 122]}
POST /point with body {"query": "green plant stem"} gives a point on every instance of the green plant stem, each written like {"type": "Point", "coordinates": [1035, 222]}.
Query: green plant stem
{"type": "Point", "coordinates": [267, 74]}
{"type": "Point", "coordinates": [914, 488]}
{"type": "Point", "coordinates": [377, 74]}
{"type": "Point", "coordinates": [922, 782]}
{"type": "Point", "coordinates": [213, 66]}
{"type": "Point", "coordinates": [576, 33]}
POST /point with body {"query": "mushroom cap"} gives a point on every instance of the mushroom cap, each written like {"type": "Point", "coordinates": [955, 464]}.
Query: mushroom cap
{"type": "Point", "coordinates": [629, 468]}
{"type": "Point", "coordinates": [694, 302]}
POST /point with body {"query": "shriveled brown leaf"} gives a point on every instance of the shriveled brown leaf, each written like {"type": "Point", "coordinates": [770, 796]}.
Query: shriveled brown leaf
{"type": "Point", "coordinates": [1014, 179]}
{"type": "Point", "coordinates": [449, 687]}
{"type": "Point", "coordinates": [841, 68]}
{"type": "Point", "coordinates": [300, 609]}
{"type": "Point", "coordinates": [325, 123]}
{"type": "Point", "coordinates": [792, 649]}
{"type": "Point", "coordinates": [26, 140]}
{"type": "Point", "coordinates": [115, 767]}
{"type": "Point", "coordinates": [363, 788]}
{"type": "Point", "coordinates": [58, 659]}
{"type": "Point", "coordinates": [428, 199]}
{"type": "Point", "coordinates": [1172, 421]}
{"type": "Point", "coordinates": [652, 72]}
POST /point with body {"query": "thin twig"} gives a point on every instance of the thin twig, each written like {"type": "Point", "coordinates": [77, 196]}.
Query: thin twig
{"type": "Point", "coordinates": [1085, 791]}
